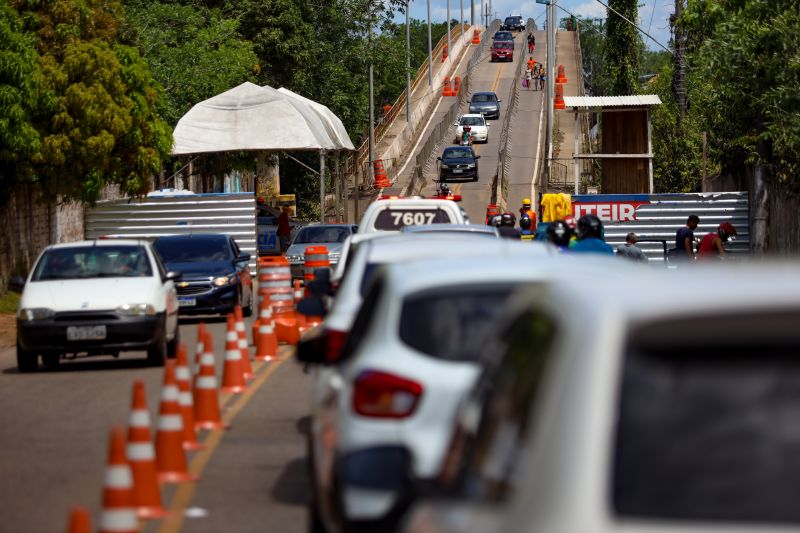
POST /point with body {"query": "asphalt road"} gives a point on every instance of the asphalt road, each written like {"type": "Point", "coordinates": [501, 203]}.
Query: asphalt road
{"type": "Point", "coordinates": [54, 438]}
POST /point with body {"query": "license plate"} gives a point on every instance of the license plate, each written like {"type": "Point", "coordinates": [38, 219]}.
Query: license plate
{"type": "Point", "coordinates": [86, 333]}
{"type": "Point", "coordinates": [187, 302]}
{"type": "Point", "coordinates": [457, 171]}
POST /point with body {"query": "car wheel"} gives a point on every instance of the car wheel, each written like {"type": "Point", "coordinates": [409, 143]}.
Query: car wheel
{"type": "Point", "coordinates": [157, 354]}
{"type": "Point", "coordinates": [172, 346]}
{"type": "Point", "coordinates": [51, 360]}
{"type": "Point", "coordinates": [26, 361]}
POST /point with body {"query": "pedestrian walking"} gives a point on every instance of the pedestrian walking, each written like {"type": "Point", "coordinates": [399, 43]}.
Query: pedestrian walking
{"type": "Point", "coordinates": [630, 251]}
{"type": "Point", "coordinates": [684, 240]}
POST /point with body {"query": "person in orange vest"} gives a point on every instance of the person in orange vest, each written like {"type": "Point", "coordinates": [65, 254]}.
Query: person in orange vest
{"type": "Point", "coordinates": [531, 63]}
{"type": "Point", "coordinates": [526, 210]}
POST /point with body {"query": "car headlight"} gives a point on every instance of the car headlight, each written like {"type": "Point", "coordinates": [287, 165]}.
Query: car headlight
{"type": "Point", "coordinates": [136, 310]}
{"type": "Point", "coordinates": [221, 281]}
{"type": "Point", "coordinates": [35, 313]}
{"type": "Point", "coordinates": [295, 258]}
{"type": "Point", "coordinates": [470, 165]}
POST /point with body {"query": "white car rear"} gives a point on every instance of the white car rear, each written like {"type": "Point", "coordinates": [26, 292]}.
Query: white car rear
{"type": "Point", "coordinates": [479, 128]}
{"type": "Point", "coordinates": [395, 213]}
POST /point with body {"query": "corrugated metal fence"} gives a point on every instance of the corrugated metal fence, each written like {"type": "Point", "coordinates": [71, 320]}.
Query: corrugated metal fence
{"type": "Point", "coordinates": [657, 217]}
{"type": "Point", "coordinates": [232, 213]}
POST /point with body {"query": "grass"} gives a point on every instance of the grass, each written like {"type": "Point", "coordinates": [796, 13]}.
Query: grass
{"type": "Point", "coordinates": [9, 302]}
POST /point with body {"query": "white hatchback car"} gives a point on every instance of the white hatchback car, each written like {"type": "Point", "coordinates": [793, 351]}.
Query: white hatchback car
{"type": "Point", "coordinates": [411, 354]}
{"type": "Point", "coordinates": [94, 298]}
{"type": "Point", "coordinates": [393, 214]}
{"type": "Point", "coordinates": [479, 128]}
{"type": "Point", "coordinates": [655, 403]}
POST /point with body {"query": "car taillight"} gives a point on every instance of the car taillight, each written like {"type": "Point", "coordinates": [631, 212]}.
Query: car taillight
{"type": "Point", "coordinates": [382, 395]}
{"type": "Point", "coordinates": [334, 345]}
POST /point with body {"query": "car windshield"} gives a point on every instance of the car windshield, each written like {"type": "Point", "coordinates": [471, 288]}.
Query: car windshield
{"type": "Point", "coordinates": [190, 250]}
{"type": "Point", "coordinates": [452, 324]}
{"type": "Point", "coordinates": [501, 44]}
{"type": "Point", "coordinates": [93, 262]}
{"type": "Point", "coordinates": [511, 20]}
{"type": "Point", "coordinates": [484, 98]}
{"type": "Point", "coordinates": [503, 35]}
{"type": "Point", "coordinates": [706, 427]}
{"type": "Point", "coordinates": [456, 153]}
{"type": "Point", "coordinates": [472, 121]}
{"type": "Point", "coordinates": [314, 235]}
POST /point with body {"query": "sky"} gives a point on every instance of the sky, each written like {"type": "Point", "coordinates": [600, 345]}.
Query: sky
{"type": "Point", "coordinates": [653, 14]}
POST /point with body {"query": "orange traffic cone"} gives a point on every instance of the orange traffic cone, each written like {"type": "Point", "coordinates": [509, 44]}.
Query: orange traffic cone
{"type": "Point", "coordinates": [444, 53]}
{"type": "Point", "coordinates": [142, 457]}
{"type": "Point", "coordinates": [185, 400]}
{"type": "Point", "coordinates": [476, 37]}
{"type": "Point", "coordinates": [247, 368]}
{"type": "Point", "coordinates": [558, 101]}
{"type": "Point", "coordinates": [119, 513]}
{"type": "Point", "coordinates": [79, 521]}
{"type": "Point", "coordinates": [200, 349]}
{"type": "Point", "coordinates": [267, 341]}
{"type": "Point", "coordinates": [205, 394]}
{"type": "Point", "coordinates": [170, 457]}
{"type": "Point", "coordinates": [446, 90]}
{"type": "Point", "coordinates": [232, 372]}
{"type": "Point", "coordinates": [562, 77]}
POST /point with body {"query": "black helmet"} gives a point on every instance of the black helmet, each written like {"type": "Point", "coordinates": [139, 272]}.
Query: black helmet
{"type": "Point", "coordinates": [590, 226]}
{"type": "Point", "coordinates": [525, 222]}
{"type": "Point", "coordinates": [559, 233]}
{"type": "Point", "coordinates": [508, 219]}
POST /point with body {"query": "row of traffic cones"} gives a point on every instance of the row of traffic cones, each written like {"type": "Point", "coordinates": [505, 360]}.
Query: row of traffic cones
{"type": "Point", "coordinates": [189, 402]}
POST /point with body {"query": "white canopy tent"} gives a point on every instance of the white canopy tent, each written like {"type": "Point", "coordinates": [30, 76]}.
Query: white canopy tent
{"type": "Point", "coordinates": [249, 117]}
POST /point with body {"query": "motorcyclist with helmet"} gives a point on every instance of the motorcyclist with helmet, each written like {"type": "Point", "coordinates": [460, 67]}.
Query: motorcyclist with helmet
{"type": "Point", "coordinates": [466, 136]}
{"type": "Point", "coordinates": [711, 247]}
{"type": "Point", "coordinates": [507, 223]}
{"type": "Point", "coordinates": [590, 237]}
{"type": "Point", "coordinates": [559, 233]}
{"type": "Point", "coordinates": [526, 210]}
{"type": "Point", "coordinates": [526, 228]}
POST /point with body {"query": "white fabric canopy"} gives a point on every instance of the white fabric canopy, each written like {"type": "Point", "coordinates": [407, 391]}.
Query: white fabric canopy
{"type": "Point", "coordinates": [333, 125]}
{"type": "Point", "coordinates": [249, 117]}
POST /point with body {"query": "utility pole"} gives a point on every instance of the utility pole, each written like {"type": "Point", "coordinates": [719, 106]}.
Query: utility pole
{"type": "Point", "coordinates": [551, 38]}
{"type": "Point", "coordinates": [371, 105]}
{"type": "Point", "coordinates": [430, 49]}
{"type": "Point", "coordinates": [462, 17]}
{"type": "Point", "coordinates": [679, 76]}
{"type": "Point", "coordinates": [471, 13]}
{"type": "Point", "coordinates": [408, 66]}
{"type": "Point", "coordinates": [449, 47]}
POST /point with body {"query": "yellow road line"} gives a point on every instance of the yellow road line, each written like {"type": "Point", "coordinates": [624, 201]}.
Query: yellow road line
{"type": "Point", "coordinates": [497, 78]}
{"type": "Point", "coordinates": [183, 496]}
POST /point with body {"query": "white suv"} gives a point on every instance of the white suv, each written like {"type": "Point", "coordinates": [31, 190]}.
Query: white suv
{"type": "Point", "coordinates": [411, 354]}
{"type": "Point", "coordinates": [395, 213]}
{"type": "Point", "coordinates": [93, 298]}
{"type": "Point", "coordinates": [653, 403]}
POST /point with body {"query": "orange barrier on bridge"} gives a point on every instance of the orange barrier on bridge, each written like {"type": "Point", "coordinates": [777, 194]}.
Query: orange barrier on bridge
{"type": "Point", "coordinates": [558, 102]}
{"type": "Point", "coordinates": [275, 285]}
{"type": "Point", "coordinates": [476, 37]}
{"type": "Point", "coordinates": [381, 179]}
{"type": "Point", "coordinates": [444, 53]}
{"type": "Point", "coordinates": [456, 85]}
{"type": "Point", "coordinates": [446, 90]}
{"type": "Point", "coordinates": [562, 77]}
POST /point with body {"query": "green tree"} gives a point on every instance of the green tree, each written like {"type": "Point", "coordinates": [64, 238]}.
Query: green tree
{"type": "Point", "coordinates": [194, 52]}
{"type": "Point", "coordinates": [623, 48]}
{"type": "Point", "coordinates": [92, 102]}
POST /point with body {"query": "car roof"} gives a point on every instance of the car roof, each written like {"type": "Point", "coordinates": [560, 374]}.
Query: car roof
{"type": "Point", "coordinates": [483, 92]}
{"type": "Point", "coordinates": [511, 262]}
{"type": "Point", "coordinates": [98, 242]}
{"type": "Point", "coordinates": [472, 115]}
{"type": "Point", "coordinates": [194, 236]}
{"type": "Point", "coordinates": [656, 292]}
{"type": "Point", "coordinates": [451, 228]}
{"type": "Point", "coordinates": [403, 247]}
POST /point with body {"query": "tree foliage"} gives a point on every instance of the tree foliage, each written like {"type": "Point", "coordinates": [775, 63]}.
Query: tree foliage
{"type": "Point", "coordinates": [88, 114]}
{"type": "Point", "coordinates": [623, 48]}
{"type": "Point", "coordinates": [744, 60]}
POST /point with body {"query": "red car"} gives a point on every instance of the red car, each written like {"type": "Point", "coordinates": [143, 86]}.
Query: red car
{"type": "Point", "coordinates": [503, 51]}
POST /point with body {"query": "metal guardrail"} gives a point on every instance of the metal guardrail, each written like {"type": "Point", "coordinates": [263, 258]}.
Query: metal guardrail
{"type": "Point", "coordinates": [356, 161]}
{"type": "Point", "coordinates": [503, 164]}
{"type": "Point", "coordinates": [440, 131]}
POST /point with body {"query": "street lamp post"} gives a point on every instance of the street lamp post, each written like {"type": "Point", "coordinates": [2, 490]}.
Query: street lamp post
{"type": "Point", "coordinates": [408, 65]}
{"type": "Point", "coordinates": [448, 29]}
{"type": "Point", "coordinates": [430, 49]}
{"type": "Point", "coordinates": [551, 36]}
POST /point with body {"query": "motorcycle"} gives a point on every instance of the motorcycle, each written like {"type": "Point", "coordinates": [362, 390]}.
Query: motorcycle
{"type": "Point", "coordinates": [466, 140]}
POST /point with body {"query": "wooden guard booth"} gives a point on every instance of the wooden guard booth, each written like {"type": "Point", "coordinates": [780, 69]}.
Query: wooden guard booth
{"type": "Point", "coordinates": [627, 146]}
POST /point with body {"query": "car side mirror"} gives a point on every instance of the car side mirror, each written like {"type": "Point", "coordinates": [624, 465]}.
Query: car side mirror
{"type": "Point", "coordinates": [16, 283]}
{"type": "Point", "coordinates": [499, 101]}
{"type": "Point", "coordinates": [438, 158]}
{"type": "Point", "coordinates": [173, 276]}
{"type": "Point", "coordinates": [243, 257]}
{"type": "Point", "coordinates": [477, 157]}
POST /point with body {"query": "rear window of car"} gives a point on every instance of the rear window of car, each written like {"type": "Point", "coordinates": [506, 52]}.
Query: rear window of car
{"type": "Point", "coordinates": [707, 426]}
{"type": "Point", "coordinates": [456, 153]}
{"type": "Point", "coordinates": [484, 98]}
{"type": "Point", "coordinates": [451, 324]}
{"type": "Point", "coordinates": [314, 235]}
{"type": "Point", "coordinates": [472, 121]}
{"type": "Point", "coordinates": [397, 218]}
{"type": "Point", "coordinates": [83, 262]}
{"type": "Point", "coordinates": [193, 250]}
{"type": "Point", "coordinates": [502, 44]}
